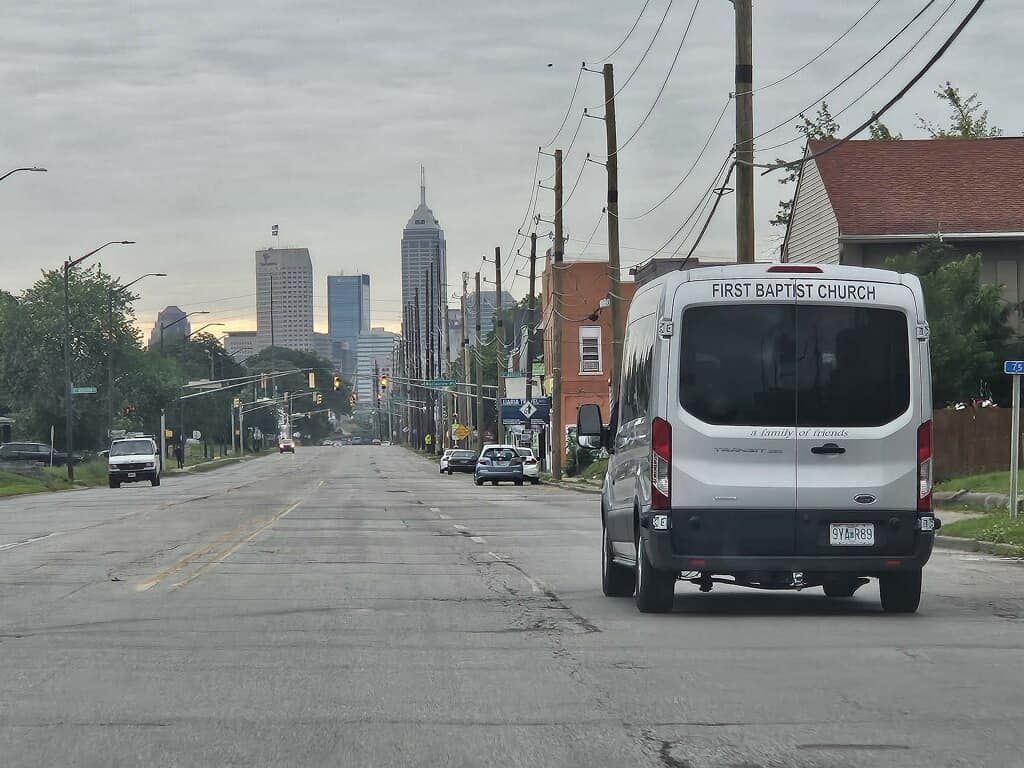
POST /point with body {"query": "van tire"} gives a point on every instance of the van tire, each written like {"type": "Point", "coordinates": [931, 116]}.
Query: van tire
{"type": "Point", "coordinates": [900, 592]}
{"type": "Point", "coordinates": [114, 484]}
{"type": "Point", "coordinates": [655, 590]}
{"type": "Point", "coordinates": [616, 580]}
{"type": "Point", "coordinates": [155, 481]}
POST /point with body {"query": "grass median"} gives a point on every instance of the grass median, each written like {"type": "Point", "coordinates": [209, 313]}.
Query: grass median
{"type": "Point", "coordinates": [986, 482]}
{"type": "Point", "coordinates": [39, 479]}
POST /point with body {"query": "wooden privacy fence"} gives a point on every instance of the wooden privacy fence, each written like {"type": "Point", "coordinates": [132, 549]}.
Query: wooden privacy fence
{"type": "Point", "coordinates": [971, 441]}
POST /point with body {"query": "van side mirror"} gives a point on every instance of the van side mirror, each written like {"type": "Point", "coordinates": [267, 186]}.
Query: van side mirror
{"type": "Point", "coordinates": [589, 423]}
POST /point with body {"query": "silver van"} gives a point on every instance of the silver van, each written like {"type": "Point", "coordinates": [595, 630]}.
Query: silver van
{"type": "Point", "coordinates": [772, 430]}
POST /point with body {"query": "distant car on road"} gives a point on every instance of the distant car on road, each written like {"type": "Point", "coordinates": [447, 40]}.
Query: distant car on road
{"type": "Point", "coordinates": [461, 461]}
{"type": "Point", "coordinates": [132, 460]}
{"type": "Point", "coordinates": [497, 463]}
{"type": "Point", "coordinates": [443, 464]}
{"type": "Point", "coordinates": [531, 468]}
{"type": "Point", "coordinates": [35, 452]}
{"type": "Point", "coordinates": [286, 445]}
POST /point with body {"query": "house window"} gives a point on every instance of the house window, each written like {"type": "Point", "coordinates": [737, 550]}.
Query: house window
{"type": "Point", "coordinates": [590, 349]}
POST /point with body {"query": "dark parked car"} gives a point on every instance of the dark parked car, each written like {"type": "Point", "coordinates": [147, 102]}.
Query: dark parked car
{"type": "Point", "coordinates": [461, 461]}
{"type": "Point", "coordinates": [497, 463]}
{"type": "Point", "coordinates": [34, 452]}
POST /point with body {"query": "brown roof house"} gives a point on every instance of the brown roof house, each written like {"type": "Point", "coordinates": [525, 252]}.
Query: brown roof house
{"type": "Point", "coordinates": [867, 200]}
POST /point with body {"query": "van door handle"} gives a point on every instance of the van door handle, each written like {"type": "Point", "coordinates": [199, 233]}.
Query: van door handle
{"type": "Point", "coordinates": [828, 449]}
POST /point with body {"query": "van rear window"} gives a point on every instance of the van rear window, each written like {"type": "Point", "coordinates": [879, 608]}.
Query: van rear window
{"type": "Point", "coordinates": [789, 365]}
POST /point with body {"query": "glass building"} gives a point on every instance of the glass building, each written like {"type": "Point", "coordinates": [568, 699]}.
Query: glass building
{"type": "Point", "coordinates": [348, 315]}
{"type": "Point", "coordinates": [423, 248]}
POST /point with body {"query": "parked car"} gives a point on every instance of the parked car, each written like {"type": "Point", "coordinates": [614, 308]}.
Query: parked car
{"type": "Point", "coordinates": [443, 463]}
{"type": "Point", "coordinates": [462, 461]}
{"type": "Point", "coordinates": [35, 452]}
{"type": "Point", "coordinates": [132, 460]}
{"type": "Point", "coordinates": [531, 467]}
{"type": "Point", "coordinates": [497, 463]}
{"type": "Point", "coordinates": [773, 431]}
{"type": "Point", "coordinates": [286, 445]}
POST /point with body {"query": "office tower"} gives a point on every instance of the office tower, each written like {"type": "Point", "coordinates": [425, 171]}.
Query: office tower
{"type": "Point", "coordinates": [284, 298]}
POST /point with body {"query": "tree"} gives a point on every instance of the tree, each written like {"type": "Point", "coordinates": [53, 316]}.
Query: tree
{"type": "Point", "coordinates": [968, 320]}
{"type": "Point", "coordinates": [879, 131]}
{"type": "Point", "coordinates": [824, 126]}
{"type": "Point", "coordinates": [967, 118]}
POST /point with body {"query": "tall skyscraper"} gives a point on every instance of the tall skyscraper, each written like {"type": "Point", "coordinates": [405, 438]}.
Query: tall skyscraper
{"type": "Point", "coordinates": [284, 298]}
{"type": "Point", "coordinates": [348, 315]}
{"type": "Point", "coordinates": [176, 332]}
{"type": "Point", "coordinates": [423, 246]}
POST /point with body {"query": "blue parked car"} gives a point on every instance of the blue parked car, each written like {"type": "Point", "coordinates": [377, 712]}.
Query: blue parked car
{"type": "Point", "coordinates": [497, 463]}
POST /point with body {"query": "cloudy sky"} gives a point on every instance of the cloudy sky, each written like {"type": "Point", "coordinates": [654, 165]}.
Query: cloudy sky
{"type": "Point", "coordinates": [192, 126]}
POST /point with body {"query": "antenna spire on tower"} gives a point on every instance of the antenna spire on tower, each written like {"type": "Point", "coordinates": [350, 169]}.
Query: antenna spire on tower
{"type": "Point", "coordinates": [423, 186]}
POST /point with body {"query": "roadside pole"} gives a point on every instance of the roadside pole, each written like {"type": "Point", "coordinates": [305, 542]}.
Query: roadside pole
{"type": "Point", "coordinates": [1014, 368]}
{"type": "Point", "coordinates": [744, 133]}
{"type": "Point", "coordinates": [163, 437]}
{"type": "Point", "coordinates": [614, 291]}
{"type": "Point", "coordinates": [466, 402]}
{"type": "Point", "coordinates": [533, 316]}
{"type": "Point", "coordinates": [558, 256]}
{"type": "Point", "coordinates": [499, 345]}
{"type": "Point", "coordinates": [479, 376]}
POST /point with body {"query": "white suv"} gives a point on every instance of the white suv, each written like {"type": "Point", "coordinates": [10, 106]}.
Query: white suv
{"type": "Point", "coordinates": [132, 460]}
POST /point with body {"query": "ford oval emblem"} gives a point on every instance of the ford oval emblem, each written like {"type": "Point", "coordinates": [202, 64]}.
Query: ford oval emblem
{"type": "Point", "coordinates": [865, 498]}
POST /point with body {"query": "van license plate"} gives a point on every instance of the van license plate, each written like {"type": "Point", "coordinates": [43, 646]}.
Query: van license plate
{"type": "Point", "coordinates": [852, 534]}
{"type": "Point", "coordinates": [131, 474]}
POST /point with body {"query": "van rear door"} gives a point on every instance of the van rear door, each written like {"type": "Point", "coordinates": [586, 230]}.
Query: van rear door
{"type": "Point", "coordinates": [857, 424]}
{"type": "Point", "coordinates": [732, 414]}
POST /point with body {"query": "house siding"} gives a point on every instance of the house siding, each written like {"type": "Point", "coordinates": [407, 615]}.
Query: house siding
{"type": "Point", "coordinates": [813, 230]}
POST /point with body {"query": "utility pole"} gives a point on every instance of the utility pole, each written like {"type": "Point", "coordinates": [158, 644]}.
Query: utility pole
{"type": "Point", "coordinates": [466, 402]}
{"type": "Point", "coordinates": [533, 316]}
{"type": "Point", "coordinates": [613, 229]}
{"type": "Point", "coordinates": [479, 376]}
{"type": "Point", "coordinates": [499, 345]}
{"type": "Point", "coordinates": [744, 133]}
{"type": "Point", "coordinates": [377, 399]}
{"type": "Point", "coordinates": [557, 432]}
{"type": "Point", "coordinates": [417, 362]}
{"type": "Point", "coordinates": [68, 403]}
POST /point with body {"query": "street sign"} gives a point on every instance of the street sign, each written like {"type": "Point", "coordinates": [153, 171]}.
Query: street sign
{"type": "Point", "coordinates": [197, 435]}
{"type": "Point", "coordinates": [517, 410]}
{"type": "Point", "coordinates": [460, 431]}
{"type": "Point", "coordinates": [83, 390]}
{"type": "Point", "coordinates": [442, 383]}
{"type": "Point", "coordinates": [1013, 367]}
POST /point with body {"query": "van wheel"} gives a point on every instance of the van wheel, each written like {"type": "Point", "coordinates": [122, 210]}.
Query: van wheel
{"type": "Point", "coordinates": [519, 482]}
{"type": "Point", "coordinates": [655, 590]}
{"type": "Point", "coordinates": [901, 592]}
{"type": "Point", "coordinates": [155, 481]}
{"type": "Point", "coordinates": [115, 484]}
{"type": "Point", "coordinates": [616, 580]}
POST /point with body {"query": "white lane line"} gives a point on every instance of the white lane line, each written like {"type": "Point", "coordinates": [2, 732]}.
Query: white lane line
{"type": "Point", "coordinates": [458, 527]}
{"type": "Point", "coordinates": [14, 544]}
{"type": "Point", "coordinates": [435, 509]}
{"type": "Point", "coordinates": [478, 539]}
{"type": "Point", "coordinates": [443, 516]}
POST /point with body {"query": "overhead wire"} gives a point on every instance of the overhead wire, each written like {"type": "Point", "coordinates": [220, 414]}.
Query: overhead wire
{"type": "Point", "coordinates": [889, 104]}
{"type": "Point", "coordinates": [568, 110]}
{"type": "Point", "coordinates": [817, 56]}
{"type": "Point", "coordinates": [866, 91]}
{"type": "Point", "coordinates": [689, 170]}
{"type": "Point", "coordinates": [853, 74]}
{"type": "Point", "coordinates": [664, 82]}
{"type": "Point", "coordinates": [628, 34]}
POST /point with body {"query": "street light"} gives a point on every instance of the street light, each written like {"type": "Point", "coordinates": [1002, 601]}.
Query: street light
{"type": "Point", "coordinates": [111, 292]}
{"type": "Point", "coordinates": [34, 169]}
{"type": "Point", "coordinates": [193, 333]}
{"type": "Point", "coordinates": [68, 415]}
{"type": "Point", "coordinates": [165, 326]}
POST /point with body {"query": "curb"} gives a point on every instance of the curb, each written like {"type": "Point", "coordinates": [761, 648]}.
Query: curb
{"type": "Point", "coordinates": [579, 488]}
{"type": "Point", "coordinates": [983, 500]}
{"type": "Point", "coordinates": [973, 545]}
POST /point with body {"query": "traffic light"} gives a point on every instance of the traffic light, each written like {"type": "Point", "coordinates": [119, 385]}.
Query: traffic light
{"type": "Point", "coordinates": [318, 398]}
{"type": "Point", "coordinates": [337, 382]}
{"type": "Point", "coordinates": [384, 382]}
{"type": "Point", "coordinates": [263, 382]}
{"type": "Point", "coordinates": [312, 380]}
{"type": "Point", "coordinates": [238, 402]}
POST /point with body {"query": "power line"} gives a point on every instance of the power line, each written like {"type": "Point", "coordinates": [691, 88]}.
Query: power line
{"type": "Point", "coordinates": [853, 74]}
{"type": "Point", "coordinates": [889, 104]}
{"type": "Point", "coordinates": [821, 53]}
{"type": "Point", "coordinates": [628, 34]}
{"type": "Point", "coordinates": [642, 58]}
{"type": "Point", "coordinates": [700, 155]}
{"type": "Point", "coordinates": [664, 82]}
{"type": "Point", "coordinates": [871, 87]}
{"type": "Point", "coordinates": [568, 110]}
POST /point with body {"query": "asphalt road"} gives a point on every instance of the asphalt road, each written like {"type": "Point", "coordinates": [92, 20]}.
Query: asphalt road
{"type": "Point", "coordinates": [351, 607]}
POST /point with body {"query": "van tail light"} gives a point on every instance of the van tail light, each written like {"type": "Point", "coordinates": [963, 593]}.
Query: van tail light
{"type": "Point", "coordinates": [661, 464]}
{"type": "Point", "coordinates": [795, 268]}
{"type": "Point", "coordinates": [924, 467]}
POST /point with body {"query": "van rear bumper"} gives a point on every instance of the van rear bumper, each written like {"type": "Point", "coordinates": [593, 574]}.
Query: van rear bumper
{"type": "Point", "coordinates": [664, 556]}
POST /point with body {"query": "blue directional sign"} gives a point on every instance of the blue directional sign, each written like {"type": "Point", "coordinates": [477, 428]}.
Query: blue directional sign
{"type": "Point", "coordinates": [517, 410]}
{"type": "Point", "coordinates": [1014, 367]}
